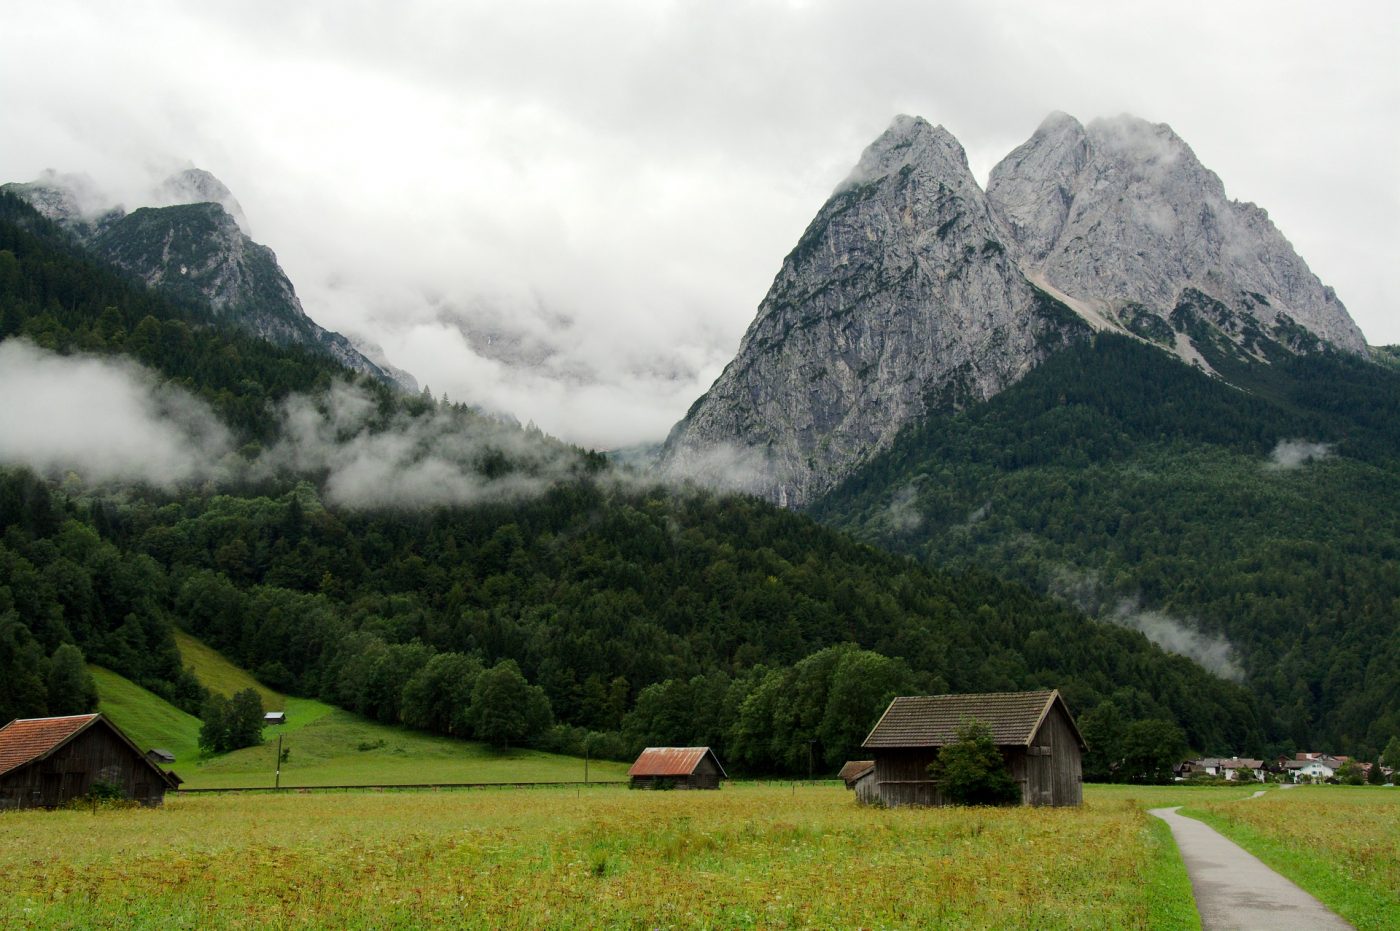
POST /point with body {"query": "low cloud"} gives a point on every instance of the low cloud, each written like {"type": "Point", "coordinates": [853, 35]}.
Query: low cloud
{"type": "Point", "coordinates": [1294, 454]}
{"type": "Point", "coordinates": [112, 422]}
{"type": "Point", "coordinates": [903, 514]}
{"type": "Point", "coordinates": [1213, 652]}
{"type": "Point", "coordinates": [104, 420]}
{"type": "Point", "coordinates": [444, 457]}
{"type": "Point", "coordinates": [723, 467]}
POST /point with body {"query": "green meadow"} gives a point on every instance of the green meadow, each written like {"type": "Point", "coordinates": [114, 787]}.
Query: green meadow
{"type": "Point", "coordinates": [325, 745]}
{"type": "Point", "coordinates": [748, 856]}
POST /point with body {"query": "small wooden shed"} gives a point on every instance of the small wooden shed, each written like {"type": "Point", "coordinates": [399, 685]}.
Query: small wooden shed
{"type": "Point", "coordinates": [1034, 731]}
{"type": "Point", "coordinates": [45, 762]}
{"type": "Point", "coordinates": [275, 717]}
{"type": "Point", "coordinates": [853, 770]}
{"type": "Point", "coordinates": [677, 768]}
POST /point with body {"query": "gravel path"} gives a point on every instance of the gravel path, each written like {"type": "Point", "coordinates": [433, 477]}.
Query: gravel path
{"type": "Point", "coordinates": [1235, 890]}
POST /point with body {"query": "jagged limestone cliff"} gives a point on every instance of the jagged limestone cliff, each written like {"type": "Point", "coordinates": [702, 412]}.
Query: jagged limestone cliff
{"type": "Point", "coordinates": [196, 248]}
{"type": "Point", "coordinates": [902, 294]}
{"type": "Point", "coordinates": [913, 290]}
{"type": "Point", "coordinates": [1123, 217]}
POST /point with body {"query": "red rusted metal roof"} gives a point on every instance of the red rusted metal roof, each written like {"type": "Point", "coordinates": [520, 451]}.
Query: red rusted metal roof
{"type": "Point", "coordinates": [27, 739]}
{"type": "Point", "coordinates": [671, 761]}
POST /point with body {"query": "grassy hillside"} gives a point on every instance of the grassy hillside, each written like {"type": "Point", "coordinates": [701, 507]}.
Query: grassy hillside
{"type": "Point", "coordinates": [149, 720]}
{"type": "Point", "coordinates": [327, 746]}
{"type": "Point", "coordinates": [217, 674]}
{"type": "Point", "coordinates": [333, 747]}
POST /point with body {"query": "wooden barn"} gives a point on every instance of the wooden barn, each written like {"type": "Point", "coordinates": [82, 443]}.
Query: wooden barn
{"type": "Point", "coordinates": [1037, 737]}
{"type": "Point", "coordinates": [677, 768]}
{"type": "Point", "coordinates": [45, 762]}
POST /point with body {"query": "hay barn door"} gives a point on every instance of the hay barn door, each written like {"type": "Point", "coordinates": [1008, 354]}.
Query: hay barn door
{"type": "Point", "coordinates": [1041, 776]}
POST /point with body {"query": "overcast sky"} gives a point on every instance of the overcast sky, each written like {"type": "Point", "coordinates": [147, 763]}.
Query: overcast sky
{"type": "Point", "coordinates": [605, 190]}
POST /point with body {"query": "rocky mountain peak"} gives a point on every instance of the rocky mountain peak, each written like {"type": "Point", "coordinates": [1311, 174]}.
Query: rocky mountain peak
{"type": "Point", "coordinates": [909, 142]}
{"type": "Point", "coordinates": [913, 291]}
{"type": "Point", "coordinates": [71, 200]}
{"type": "Point", "coordinates": [1122, 217]}
{"type": "Point", "coordinates": [197, 186]}
{"type": "Point", "coordinates": [900, 298]}
{"type": "Point", "coordinates": [191, 241]}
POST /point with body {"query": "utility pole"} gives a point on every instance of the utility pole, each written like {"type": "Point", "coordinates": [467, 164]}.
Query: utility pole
{"type": "Point", "coordinates": [277, 782]}
{"type": "Point", "coordinates": [587, 752]}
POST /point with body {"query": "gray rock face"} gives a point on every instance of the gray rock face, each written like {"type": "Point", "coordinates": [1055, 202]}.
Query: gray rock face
{"type": "Point", "coordinates": [912, 291]}
{"type": "Point", "coordinates": [196, 249]}
{"type": "Point", "coordinates": [1123, 216]}
{"type": "Point", "coordinates": [197, 186]}
{"type": "Point", "coordinates": [900, 297]}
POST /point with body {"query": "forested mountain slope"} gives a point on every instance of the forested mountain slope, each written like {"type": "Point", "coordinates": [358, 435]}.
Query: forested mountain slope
{"type": "Point", "coordinates": [404, 558]}
{"type": "Point", "coordinates": [1255, 526]}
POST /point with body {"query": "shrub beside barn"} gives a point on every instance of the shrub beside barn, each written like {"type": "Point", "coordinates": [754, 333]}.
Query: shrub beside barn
{"type": "Point", "coordinates": [1034, 731]}
{"type": "Point", "coordinates": [46, 762]}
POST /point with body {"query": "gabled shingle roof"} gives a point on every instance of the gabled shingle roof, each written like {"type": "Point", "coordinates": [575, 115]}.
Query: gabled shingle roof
{"type": "Point", "coordinates": [28, 739]}
{"type": "Point", "coordinates": [933, 720]}
{"type": "Point", "coordinates": [672, 761]}
{"type": "Point", "coordinates": [854, 768]}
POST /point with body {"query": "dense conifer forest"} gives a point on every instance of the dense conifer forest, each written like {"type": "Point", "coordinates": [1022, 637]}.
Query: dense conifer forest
{"type": "Point", "coordinates": [1259, 508]}
{"type": "Point", "coordinates": [618, 613]}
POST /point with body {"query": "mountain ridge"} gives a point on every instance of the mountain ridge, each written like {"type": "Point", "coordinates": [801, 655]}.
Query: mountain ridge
{"type": "Point", "coordinates": [193, 241]}
{"type": "Point", "coordinates": [914, 291]}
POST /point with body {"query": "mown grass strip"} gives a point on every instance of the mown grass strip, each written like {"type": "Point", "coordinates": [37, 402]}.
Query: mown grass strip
{"type": "Point", "coordinates": [217, 674]}
{"type": "Point", "coordinates": [149, 720]}
{"type": "Point", "coordinates": [1340, 844]}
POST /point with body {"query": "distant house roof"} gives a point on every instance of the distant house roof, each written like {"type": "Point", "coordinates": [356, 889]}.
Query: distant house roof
{"type": "Point", "coordinates": [160, 755]}
{"type": "Point", "coordinates": [933, 720]}
{"type": "Point", "coordinates": [672, 761]}
{"type": "Point", "coordinates": [275, 717]}
{"type": "Point", "coordinates": [854, 768]}
{"type": "Point", "coordinates": [27, 740]}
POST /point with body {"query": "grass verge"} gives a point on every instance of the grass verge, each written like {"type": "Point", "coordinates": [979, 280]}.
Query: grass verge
{"type": "Point", "coordinates": [1341, 844]}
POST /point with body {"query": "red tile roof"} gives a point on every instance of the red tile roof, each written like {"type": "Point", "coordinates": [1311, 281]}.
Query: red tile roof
{"type": "Point", "coordinates": [933, 720]}
{"type": "Point", "coordinates": [28, 739]}
{"type": "Point", "coordinates": [671, 761]}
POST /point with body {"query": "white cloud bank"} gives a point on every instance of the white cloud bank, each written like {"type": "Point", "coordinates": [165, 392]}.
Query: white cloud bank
{"type": "Point", "coordinates": [571, 211]}
{"type": "Point", "coordinates": [111, 422]}
{"type": "Point", "coordinates": [1294, 454]}
{"type": "Point", "coordinates": [106, 420]}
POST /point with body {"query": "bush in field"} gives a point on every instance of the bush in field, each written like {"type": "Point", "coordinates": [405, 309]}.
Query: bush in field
{"type": "Point", "coordinates": [1391, 755]}
{"type": "Point", "coordinates": [230, 724]}
{"type": "Point", "coordinates": [971, 770]}
{"type": "Point", "coordinates": [1150, 749]}
{"type": "Point", "coordinates": [506, 709]}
